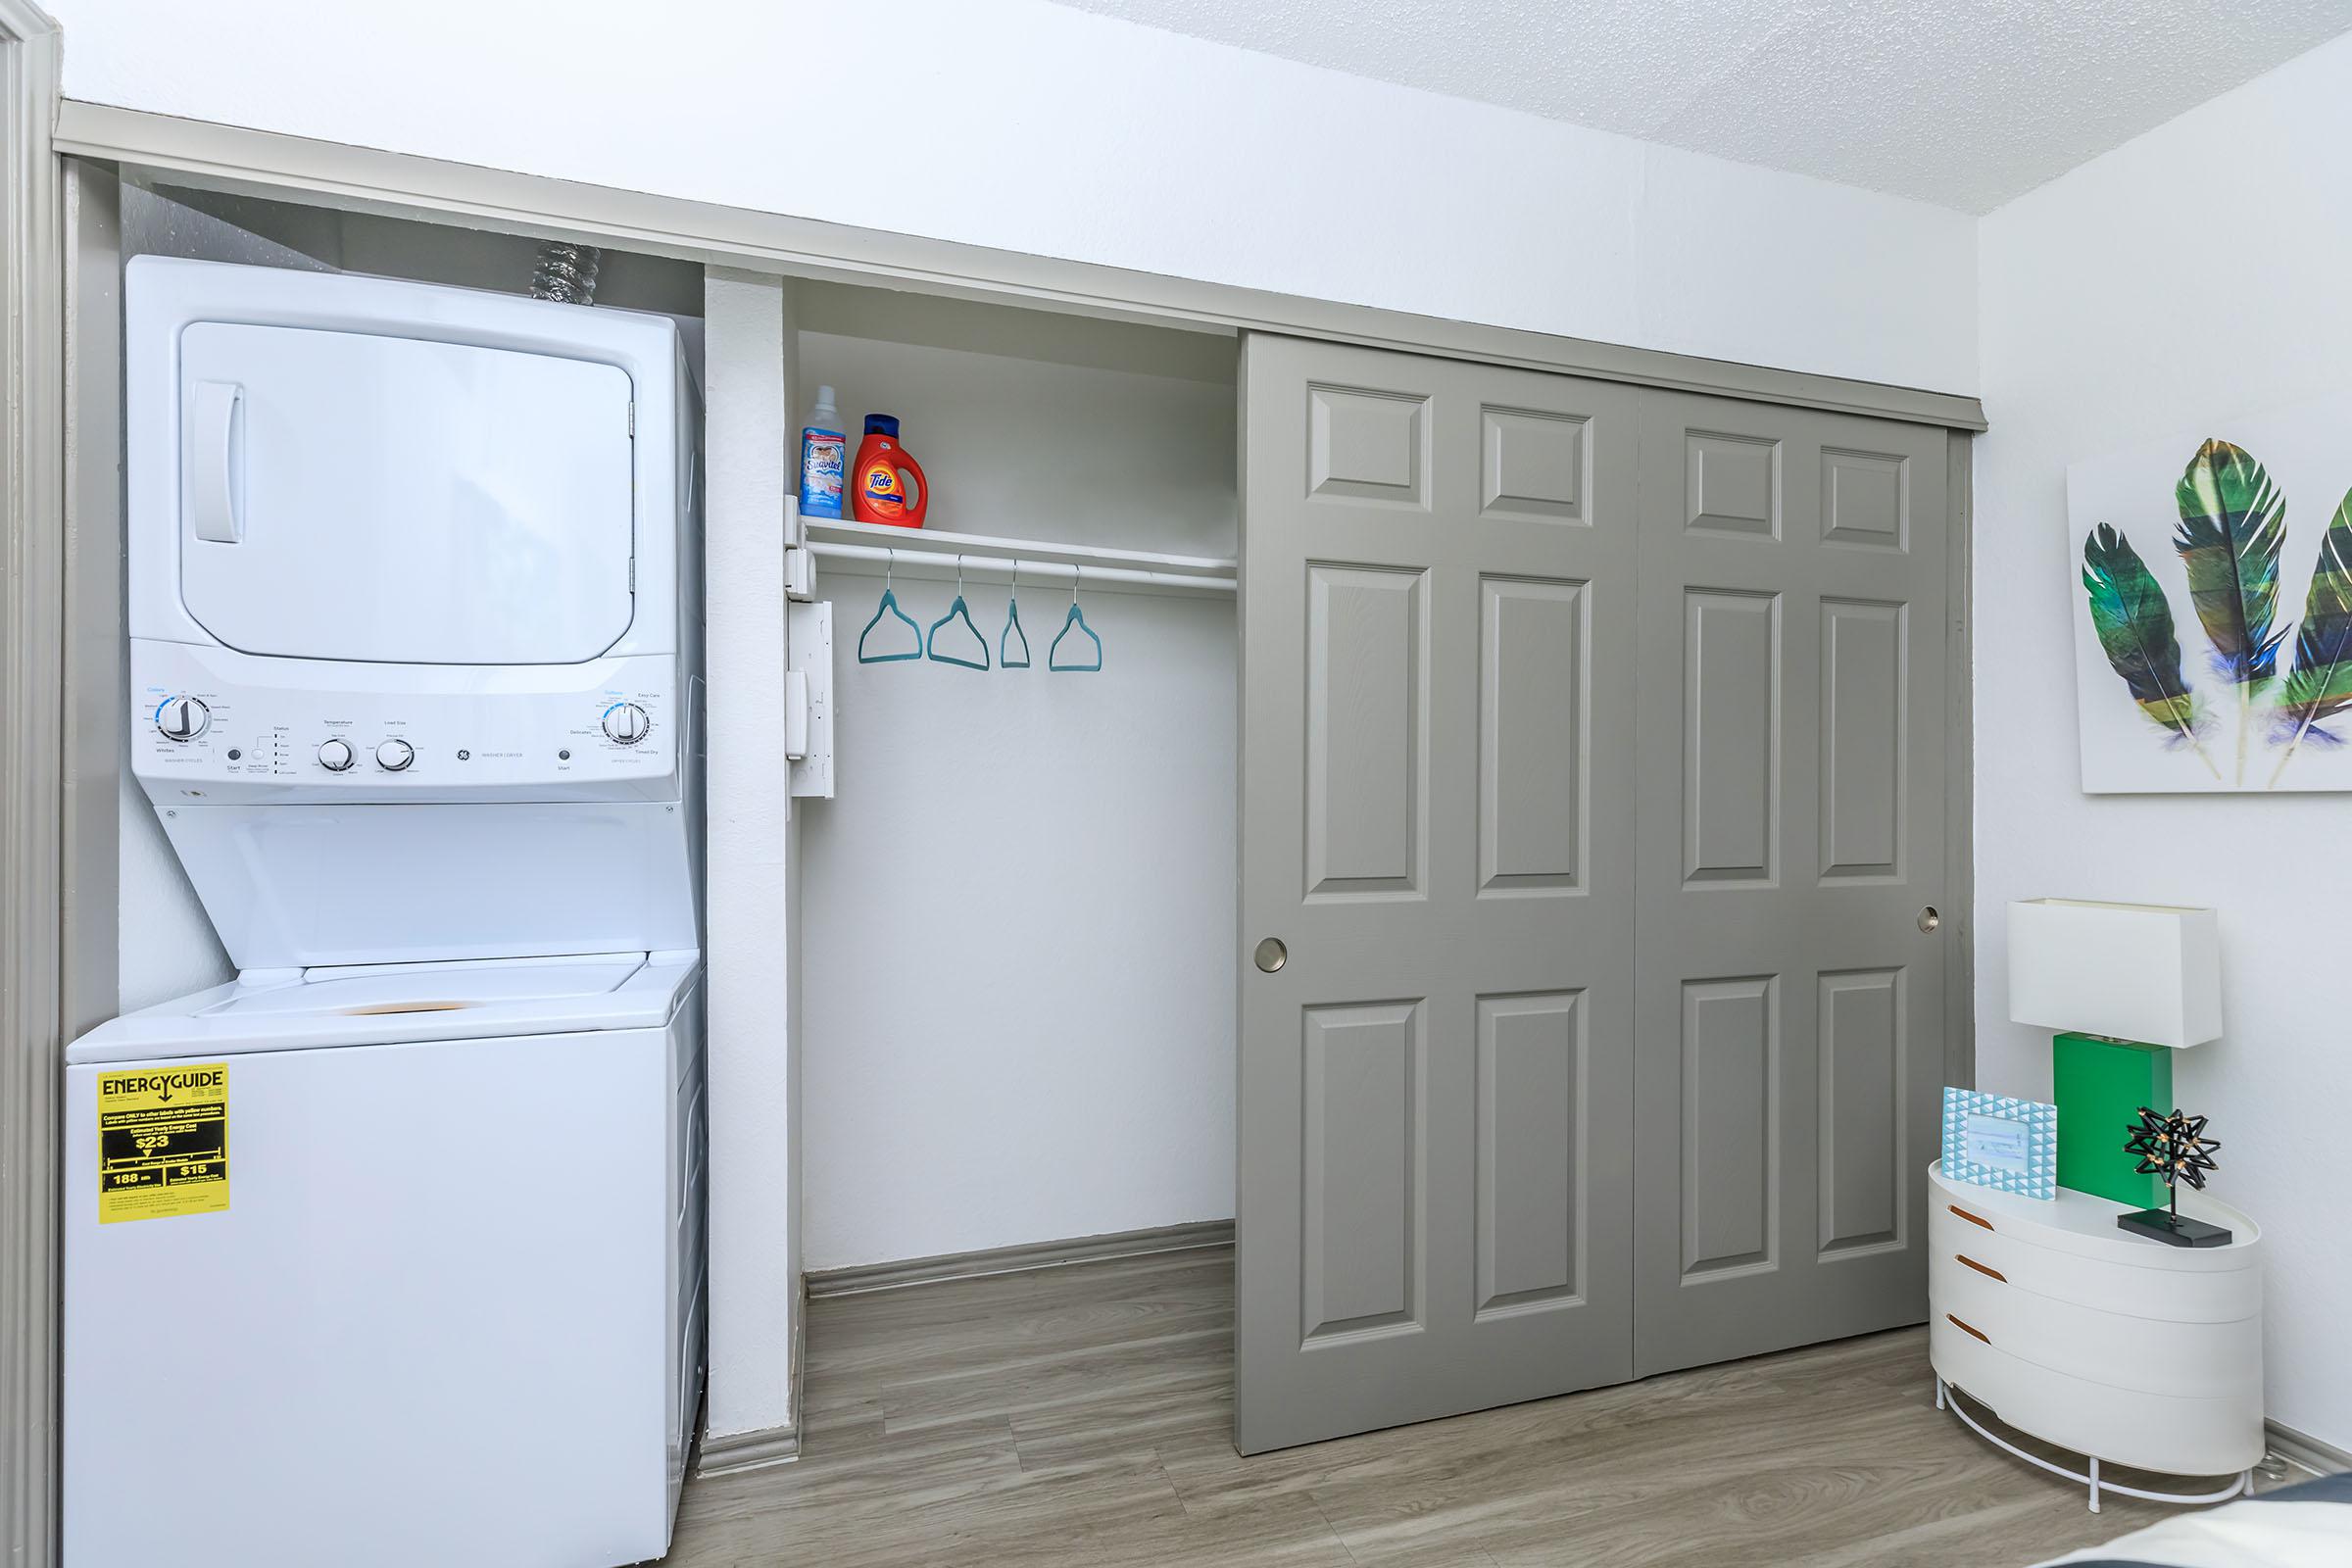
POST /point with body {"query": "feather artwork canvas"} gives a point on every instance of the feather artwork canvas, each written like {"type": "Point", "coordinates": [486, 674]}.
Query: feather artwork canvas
{"type": "Point", "coordinates": [2211, 586]}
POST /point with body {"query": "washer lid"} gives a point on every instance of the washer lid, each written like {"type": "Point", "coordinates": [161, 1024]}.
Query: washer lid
{"type": "Point", "coordinates": [390, 500]}
{"type": "Point", "coordinates": [388, 1003]}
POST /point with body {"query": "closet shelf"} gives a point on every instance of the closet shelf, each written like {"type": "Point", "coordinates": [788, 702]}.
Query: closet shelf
{"type": "Point", "coordinates": [933, 553]}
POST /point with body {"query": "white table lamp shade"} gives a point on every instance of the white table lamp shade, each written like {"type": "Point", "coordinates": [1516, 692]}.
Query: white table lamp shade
{"type": "Point", "coordinates": [2148, 972]}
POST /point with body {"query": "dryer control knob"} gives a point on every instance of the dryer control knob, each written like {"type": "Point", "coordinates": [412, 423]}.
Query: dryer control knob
{"type": "Point", "coordinates": [393, 755]}
{"type": "Point", "coordinates": [626, 723]}
{"type": "Point", "coordinates": [336, 756]}
{"type": "Point", "coordinates": [183, 718]}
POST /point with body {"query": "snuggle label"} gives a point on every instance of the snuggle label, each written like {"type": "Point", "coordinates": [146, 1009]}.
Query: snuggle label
{"type": "Point", "coordinates": [824, 455]}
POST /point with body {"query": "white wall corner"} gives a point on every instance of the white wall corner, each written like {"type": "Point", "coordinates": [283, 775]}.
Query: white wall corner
{"type": "Point", "coordinates": [2096, 307]}
{"type": "Point", "coordinates": [755, 1221]}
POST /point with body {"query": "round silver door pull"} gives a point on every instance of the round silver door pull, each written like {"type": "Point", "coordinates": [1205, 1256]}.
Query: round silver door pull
{"type": "Point", "coordinates": [1272, 955]}
{"type": "Point", "coordinates": [1929, 919]}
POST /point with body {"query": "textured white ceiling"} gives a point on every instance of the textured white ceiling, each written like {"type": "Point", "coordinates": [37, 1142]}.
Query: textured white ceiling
{"type": "Point", "coordinates": [1964, 103]}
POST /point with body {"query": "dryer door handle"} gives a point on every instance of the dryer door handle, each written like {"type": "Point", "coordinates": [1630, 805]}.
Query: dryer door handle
{"type": "Point", "coordinates": [214, 430]}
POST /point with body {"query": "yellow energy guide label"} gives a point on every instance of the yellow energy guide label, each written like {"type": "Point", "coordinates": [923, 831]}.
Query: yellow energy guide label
{"type": "Point", "coordinates": [163, 1141]}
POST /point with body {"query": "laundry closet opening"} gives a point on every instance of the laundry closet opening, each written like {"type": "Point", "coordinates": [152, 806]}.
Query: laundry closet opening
{"type": "Point", "coordinates": [1018, 910]}
{"type": "Point", "coordinates": [1534, 658]}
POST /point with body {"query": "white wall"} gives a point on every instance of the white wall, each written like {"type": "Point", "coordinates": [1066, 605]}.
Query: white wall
{"type": "Point", "coordinates": [1018, 974]}
{"type": "Point", "coordinates": [1031, 127]}
{"type": "Point", "coordinates": [2195, 272]}
{"type": "Point", "coordinates": [1019, 993]}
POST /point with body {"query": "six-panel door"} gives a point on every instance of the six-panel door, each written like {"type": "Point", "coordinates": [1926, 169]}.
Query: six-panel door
{"type": "Point", "coordinates": [1437, 1084]}
{"type": "Point", "coordinates": [1792, 836]}
{"type": "Point", "coordinates": [1531, 663]}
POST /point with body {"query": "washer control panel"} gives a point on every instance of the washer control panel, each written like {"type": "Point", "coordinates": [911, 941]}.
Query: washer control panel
{"type": "Point", "coordinates": [199, 720]}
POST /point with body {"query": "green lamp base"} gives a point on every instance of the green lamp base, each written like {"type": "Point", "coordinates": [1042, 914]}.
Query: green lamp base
{"type": "Point", "coordinates": [2100, 1085]}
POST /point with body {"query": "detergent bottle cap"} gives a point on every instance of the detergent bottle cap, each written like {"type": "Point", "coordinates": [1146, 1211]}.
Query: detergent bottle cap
{"type": "Point", "coordinates": [882, 424]}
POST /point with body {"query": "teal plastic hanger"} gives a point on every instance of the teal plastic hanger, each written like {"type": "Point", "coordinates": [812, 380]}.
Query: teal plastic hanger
{"type": "Point", "coordinates": [1074, 621]}
{"type": "Point", "coordinates": [1012, 626]}
{"type": "Point", "coordinates": [889, 607]}
{"type": "Point", "coordinates": [958, 610]}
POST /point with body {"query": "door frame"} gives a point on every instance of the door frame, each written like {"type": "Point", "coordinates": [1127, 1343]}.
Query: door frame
{"type": "Point", "coordinates": [271, 163]}
{"type": "Point", "coordinates": [1960, 764]}
{"type": "Point", "coordinates": [32, 704]}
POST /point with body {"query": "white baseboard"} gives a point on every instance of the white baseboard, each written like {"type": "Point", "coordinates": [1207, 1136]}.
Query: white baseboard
{"type": "Point", "coordinates": [897, 1275]}
{"type": "Point", "coordinates": [723, 1453]}
{"type": "Point", "coordinates": [727, 1452]}
{"type": "Point", "coordinates": [2302, 1450]}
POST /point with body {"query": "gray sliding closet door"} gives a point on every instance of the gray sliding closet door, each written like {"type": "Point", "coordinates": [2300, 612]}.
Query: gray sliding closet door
{"type": "Point", "coordinates": [1791, 834]}
{"type": "Point", "coordinates": [1437, 826]}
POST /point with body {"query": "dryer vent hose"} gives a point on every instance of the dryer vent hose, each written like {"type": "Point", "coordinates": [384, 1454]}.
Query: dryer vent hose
{"type": "Point", "coordinates": [566, 273]}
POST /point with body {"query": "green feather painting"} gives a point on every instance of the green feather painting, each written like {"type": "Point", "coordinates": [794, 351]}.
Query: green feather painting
{"type": "Point", "coordinates": [2134, 626]}
{"type": "Point", "coordinates": [2195, 671]}
{"type": "Point", "coordinates": [2321, 684]}
{"type": "Point", "coordinates": [2232, 525]}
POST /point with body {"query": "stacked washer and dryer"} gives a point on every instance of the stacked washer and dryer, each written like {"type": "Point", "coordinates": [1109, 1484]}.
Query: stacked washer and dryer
{"type": "Point", "coordinates": [391, 1250]}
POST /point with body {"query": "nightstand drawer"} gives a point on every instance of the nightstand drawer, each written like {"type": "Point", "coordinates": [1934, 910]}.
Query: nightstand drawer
{"type": "Point", "coordinates": [2121, 1350]}
{"type": "Point", "coordinates": [2163, 1432]}
{"type": "Point", "coordinates": [2150, 1290]}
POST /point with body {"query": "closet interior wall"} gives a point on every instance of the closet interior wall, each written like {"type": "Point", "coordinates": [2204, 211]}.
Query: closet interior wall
{"type": "Point", "coordinates": [1019, 937]}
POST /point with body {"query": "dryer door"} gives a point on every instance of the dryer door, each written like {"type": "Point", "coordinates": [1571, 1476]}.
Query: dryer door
{"type": "Point", "coordinates": [392, 500]}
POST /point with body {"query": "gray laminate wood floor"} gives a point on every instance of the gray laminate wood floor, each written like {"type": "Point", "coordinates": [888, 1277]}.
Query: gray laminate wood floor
{"type": "Point", "coordinates": [1082, 1415]}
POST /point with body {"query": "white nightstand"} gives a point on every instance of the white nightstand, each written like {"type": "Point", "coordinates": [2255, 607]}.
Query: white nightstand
{"type": "Point", "coordinates": [2114, 1346]}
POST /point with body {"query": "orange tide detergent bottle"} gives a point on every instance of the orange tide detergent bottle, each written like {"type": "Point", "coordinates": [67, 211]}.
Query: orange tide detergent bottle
{"type": "Point", "coordinates": [886, 473]}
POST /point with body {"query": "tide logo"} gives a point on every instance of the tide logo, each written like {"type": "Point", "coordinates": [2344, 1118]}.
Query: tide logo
{"type": "Point", "coordinates": [884, 488]}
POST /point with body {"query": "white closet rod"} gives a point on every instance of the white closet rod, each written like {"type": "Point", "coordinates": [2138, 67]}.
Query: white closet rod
{"type": "Point", "coordinates": [912, 542]}
{"type": "Point", "coordinates": [930, 550]}
{"type": "Point", "coordinates": [1032, 570]}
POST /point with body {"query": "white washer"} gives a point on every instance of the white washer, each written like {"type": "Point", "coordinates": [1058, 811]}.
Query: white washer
{"type": "Point", "coordinates": [411, 1268]}
{"type": "Point", "coordinates": [445, 1316]}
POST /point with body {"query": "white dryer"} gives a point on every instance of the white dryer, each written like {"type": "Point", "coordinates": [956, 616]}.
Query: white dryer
{"type": "Point", "coordinates": [415, 624]}
{"type": "Point", "coordinates": [391, 1252]}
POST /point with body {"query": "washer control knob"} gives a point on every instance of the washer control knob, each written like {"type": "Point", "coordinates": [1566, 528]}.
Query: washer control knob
{"type": "Point", "coordinates": [335, 756]}
{"type": "Point", "coordinates": [393, 755]}
{"type": "Point", "coordinates": [626, 723]}
{"type": "Point", "coordinates": [183, 718]}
